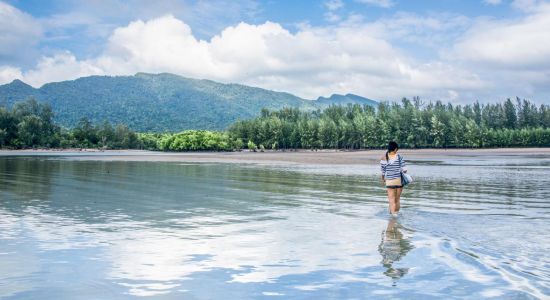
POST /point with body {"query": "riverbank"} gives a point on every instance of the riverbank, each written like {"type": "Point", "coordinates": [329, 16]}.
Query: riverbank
{"type": "Point", "coordinates": [325, 157]}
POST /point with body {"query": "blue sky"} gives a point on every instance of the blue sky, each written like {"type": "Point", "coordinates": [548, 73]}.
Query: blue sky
{"type": "Point", "coordinates": [79, 39]}
{"type": "Point", "coordinates": [385, 49]}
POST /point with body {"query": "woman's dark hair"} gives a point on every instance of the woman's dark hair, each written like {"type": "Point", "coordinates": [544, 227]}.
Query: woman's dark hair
{"type": "Point", "coordinates": [392, 146]}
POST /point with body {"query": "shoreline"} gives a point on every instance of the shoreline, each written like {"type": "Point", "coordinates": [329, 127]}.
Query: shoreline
{"type": "Point", "coordinates": [322, 157]}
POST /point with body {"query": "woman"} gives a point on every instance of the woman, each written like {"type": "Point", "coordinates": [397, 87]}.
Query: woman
{"type": "Point", "coordinates": [391, 165]}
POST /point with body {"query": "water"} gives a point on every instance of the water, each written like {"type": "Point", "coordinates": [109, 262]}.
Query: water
{"type": "Point", "coordinates": [469, 228]}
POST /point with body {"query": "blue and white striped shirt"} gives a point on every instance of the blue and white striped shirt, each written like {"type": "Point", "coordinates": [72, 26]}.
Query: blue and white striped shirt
{"type": "Point", "coordinates": [392, 168]}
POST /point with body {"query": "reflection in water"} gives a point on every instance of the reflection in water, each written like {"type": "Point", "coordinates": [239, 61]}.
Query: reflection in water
{"type": "Point", "coordinates": [28, 179]}
{"type": "Point", "coordinates": [211, 231]}
{"type": "Point", "coordinates": [154, 229]}
{"type": "Point", "coordinates": [393, 247]}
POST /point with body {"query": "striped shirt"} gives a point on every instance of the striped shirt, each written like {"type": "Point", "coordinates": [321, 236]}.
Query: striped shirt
{"type": "Point", "coordinates": [392, 168]}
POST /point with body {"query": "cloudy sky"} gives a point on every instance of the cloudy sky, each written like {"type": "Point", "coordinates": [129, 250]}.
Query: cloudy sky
{"type": "Point", "coordinates": [453, 50]}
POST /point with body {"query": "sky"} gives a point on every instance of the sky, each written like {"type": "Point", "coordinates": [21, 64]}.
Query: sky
{"type": "Point", "coordinates": [451, 50]}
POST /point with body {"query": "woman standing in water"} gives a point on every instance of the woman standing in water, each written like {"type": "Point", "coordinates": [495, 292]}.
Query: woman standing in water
{"type": "Point", "coordinates": [391, 165]}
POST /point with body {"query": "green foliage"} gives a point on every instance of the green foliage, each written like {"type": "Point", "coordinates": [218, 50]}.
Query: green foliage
{"type": "Point", "coordinates": [411, 123]}
{"type": "Point", "coordinates": [149, 141]}
{"type": "Point", "coordinates": [195, 140]}
{"type": "Point", "coordinates": [251, 146]}
{"type": "Point", "coordinates": [30, 124]}
{"type": "Point", "coordinates": [159, 102]}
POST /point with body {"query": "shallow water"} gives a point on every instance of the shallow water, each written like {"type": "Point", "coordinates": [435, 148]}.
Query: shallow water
{"type": "Point", "coordinates": [469, 228]}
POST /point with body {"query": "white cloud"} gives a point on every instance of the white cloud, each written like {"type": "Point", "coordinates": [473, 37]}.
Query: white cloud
{"type": "Point", "coordinates": [492, 2]}
{"type": "Point", "coordinates": [311, 62]}
{"type": "Point", "coordinates": [429, 30]}
{"type": "Point", "coordinates": [334, 4]}
{"type": "Point", "coordinates": [19, 32]}
{"type": "Point", "coordinates": [528, 5]}
{"type": "Point", "coordinates": [513, 55]}
{"type": "Point", "coordinates": [332, 17]}
{"type": "Point", "coordinates": [380, 3]}
{"type": "Point", "coordinates": [8, 74]}
{"type": "Point", "coordinates": [165, 44]}
{"type": "Point", "coordinates": [62, 66]}
{"type": "Point", "coordinates": [519, 44]}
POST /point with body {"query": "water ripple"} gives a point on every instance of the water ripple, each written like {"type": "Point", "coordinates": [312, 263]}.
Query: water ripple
{"type": "Point", "coordinates": [118, 229]}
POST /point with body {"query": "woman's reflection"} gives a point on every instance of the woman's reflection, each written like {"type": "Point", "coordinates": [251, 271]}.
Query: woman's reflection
{"type": "Point", "coordinates": [392, 248]}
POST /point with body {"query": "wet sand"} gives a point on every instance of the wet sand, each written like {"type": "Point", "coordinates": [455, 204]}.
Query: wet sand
{"type": "Point", "coordinates": [325, 157]}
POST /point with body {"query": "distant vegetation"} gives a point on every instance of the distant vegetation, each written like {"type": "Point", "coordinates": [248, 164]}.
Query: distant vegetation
{"type": "Point", "coordinates": [190, 140]}
{"type": "Point", "coordinates": [159, 102]}
{"type": "Point", "coordinates": [413, 124]}
{"type": "Point", "coordinates": [29, 124]}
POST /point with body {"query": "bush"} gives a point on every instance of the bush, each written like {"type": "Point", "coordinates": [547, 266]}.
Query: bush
{"type": "Point", "coordinates": [251, 146]}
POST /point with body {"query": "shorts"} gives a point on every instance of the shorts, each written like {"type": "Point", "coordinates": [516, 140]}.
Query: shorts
{"type": "Point", "coordinates": [394, 183]}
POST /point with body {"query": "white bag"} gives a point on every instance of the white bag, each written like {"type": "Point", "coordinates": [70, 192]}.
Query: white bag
{"type": "Point", "coordinates": [406, 178]}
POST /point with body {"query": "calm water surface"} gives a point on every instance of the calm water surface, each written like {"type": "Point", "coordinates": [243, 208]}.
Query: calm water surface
{"type": "Point", "coordinates": [470, 228]}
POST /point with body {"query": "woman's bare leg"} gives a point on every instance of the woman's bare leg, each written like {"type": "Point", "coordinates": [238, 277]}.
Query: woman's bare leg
{"type": "Point", "coordinates": [398, 199]}
{"type": "Point", "coordinates": [391, 200]}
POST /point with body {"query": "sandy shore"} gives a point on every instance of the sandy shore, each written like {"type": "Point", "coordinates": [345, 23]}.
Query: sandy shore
{"type": "Point", "coordinates": [274, 157]}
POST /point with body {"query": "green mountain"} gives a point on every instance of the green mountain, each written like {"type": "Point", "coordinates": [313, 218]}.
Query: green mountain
{"type": "Point", "coordinates": [160, 102]}
{"type": "Point", "coordinates": [344, 99]}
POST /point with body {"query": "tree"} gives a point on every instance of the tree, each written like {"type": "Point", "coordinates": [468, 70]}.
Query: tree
{"type": "Point", "coordinates": [106, 135]}
{"type": "Point", "coordinates": [437, 132]}
{"type": "Point", "coordinates": [29, 131]}
{"type": "Point", "coordinates": [3, 137]}
{"type": "Point", "coordinates": [510, 116]}
{"type": "Point", "coordinates": [85, 133]}
{"type": "Point", "coordinates": [252, 146]}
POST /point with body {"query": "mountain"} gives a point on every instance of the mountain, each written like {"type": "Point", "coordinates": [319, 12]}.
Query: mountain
{"type": "Point", "coordinates": [160, 102]}
{"type": "Point", "coordinates": [15, 91]}
{"type": "Point", "coordinates": [344, 99]}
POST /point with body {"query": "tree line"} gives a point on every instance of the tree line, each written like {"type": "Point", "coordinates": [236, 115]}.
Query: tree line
{"type": "Point", "coordinates": [29, 124]}
{"type": "Point", "coordinates": [412, 123]}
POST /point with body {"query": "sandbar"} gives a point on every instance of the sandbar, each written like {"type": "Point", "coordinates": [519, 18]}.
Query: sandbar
{"type": "Point", "coordinates": [323, 157]}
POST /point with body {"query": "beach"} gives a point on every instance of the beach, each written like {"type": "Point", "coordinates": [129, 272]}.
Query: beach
{"type": "Point", "coordinates": [324, 157]}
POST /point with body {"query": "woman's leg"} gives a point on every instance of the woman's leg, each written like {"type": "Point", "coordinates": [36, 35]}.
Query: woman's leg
{"type": "Point", "coordinates": [398, 198]}
{"type": "Point", "coordinates": [391, 200]}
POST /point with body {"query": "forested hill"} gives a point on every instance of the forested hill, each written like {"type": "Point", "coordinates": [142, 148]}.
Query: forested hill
{"type": "Point", "coordinates": [160, 102]}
